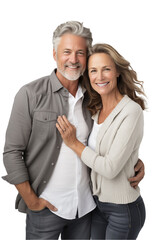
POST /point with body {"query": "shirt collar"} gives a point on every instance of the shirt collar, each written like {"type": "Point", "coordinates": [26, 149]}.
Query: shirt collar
{"type": "Point", "coordinates": [56, 84]}
{"type": "Point", "coordinates": [80, 92]}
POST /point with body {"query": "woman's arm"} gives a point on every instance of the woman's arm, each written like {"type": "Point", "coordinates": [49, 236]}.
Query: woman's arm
{"type": "Point", "coordinates": [122, 147]}
{"type": "Point", "coordinates": [125, 142]}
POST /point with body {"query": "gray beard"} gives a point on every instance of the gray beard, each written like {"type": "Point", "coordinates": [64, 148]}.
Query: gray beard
{"type": "Point", "coordinates": [71, 77]}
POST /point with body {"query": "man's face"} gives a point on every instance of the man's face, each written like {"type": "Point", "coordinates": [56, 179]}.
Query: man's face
{"type": "Point", "coordinates": [70, 57]}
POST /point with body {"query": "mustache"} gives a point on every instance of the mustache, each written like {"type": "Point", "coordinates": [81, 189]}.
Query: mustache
{"type": "Point", "coordinates": [72, 65]}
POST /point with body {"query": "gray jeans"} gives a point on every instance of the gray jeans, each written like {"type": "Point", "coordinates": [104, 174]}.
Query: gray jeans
{"type": "Point", "coordinates": [46, 225]}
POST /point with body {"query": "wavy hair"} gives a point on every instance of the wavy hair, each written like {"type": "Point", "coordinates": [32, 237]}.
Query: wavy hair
{"type": "Point", "coordinates": [127, 82]}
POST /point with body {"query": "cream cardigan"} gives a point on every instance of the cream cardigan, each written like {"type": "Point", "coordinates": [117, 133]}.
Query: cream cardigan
{"type": "Point", "coordinates": [116, 154]}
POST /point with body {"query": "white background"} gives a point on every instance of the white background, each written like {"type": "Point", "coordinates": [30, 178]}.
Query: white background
{"type": "Point", "coordinates": [131, 26]}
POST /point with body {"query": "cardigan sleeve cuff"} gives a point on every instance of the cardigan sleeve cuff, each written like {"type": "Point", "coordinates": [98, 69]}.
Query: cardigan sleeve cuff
{"type": "Point", "coordinates": [88, 156]}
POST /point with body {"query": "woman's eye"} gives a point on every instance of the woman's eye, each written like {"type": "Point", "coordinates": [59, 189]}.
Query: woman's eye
{"type": "Point", "coordinates": [93, 70]}
{"type": "Point", "coordinates": [107, 69]}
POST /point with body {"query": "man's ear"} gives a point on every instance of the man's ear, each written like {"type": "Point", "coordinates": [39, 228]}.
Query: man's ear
{"type": "Point", "coordinates": [54, 54]}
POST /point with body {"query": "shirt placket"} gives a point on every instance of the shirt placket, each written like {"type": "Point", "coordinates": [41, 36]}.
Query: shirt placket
{"type": "Point", "coordinates": [78, 163]}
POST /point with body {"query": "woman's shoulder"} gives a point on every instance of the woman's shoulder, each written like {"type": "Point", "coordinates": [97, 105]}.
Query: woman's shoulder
{"type": "Point", "coordinates": [132, 106]}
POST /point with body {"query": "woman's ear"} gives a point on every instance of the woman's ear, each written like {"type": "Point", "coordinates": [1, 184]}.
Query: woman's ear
{"type": "Point", "coordinates": [118, 74]}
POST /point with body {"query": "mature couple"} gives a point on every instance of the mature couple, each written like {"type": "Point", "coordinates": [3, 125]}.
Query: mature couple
{"type": "Point", "coordinates": [93, 92]}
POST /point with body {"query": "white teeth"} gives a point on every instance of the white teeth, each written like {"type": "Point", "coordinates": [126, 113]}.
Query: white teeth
{"type": "Point", "coordinates": [73, 67]}
{"type": "Point", "coordinates": [102, 84]}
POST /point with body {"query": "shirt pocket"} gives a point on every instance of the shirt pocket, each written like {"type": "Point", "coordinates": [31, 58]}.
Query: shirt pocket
{"type": "Point", "coordinates": [44, 124]}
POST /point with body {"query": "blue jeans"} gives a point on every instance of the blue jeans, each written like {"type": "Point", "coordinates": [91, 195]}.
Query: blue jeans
{"type": "Point", "coordinates": [117, 221]}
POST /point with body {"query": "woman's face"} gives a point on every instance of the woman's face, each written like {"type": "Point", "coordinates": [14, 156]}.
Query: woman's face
{"type": "Point", "coordinates": [102, 73]}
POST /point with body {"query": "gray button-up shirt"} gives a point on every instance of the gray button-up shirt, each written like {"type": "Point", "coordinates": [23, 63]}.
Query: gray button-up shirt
{"type": "Point", "coordinates": [32, 141]}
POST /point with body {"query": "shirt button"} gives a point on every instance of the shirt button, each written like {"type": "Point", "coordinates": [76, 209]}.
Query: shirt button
{"type": "Point", "coordinates": [58, 147]}
{"type": "Point", "coordinates": [52, 163]}
{"type": "Point", "coordinates": [44, 182]}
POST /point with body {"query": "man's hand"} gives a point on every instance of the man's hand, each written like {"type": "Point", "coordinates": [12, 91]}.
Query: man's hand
{"type": "Point", "coordinates": [139, 174]}
{"type": "Point", "coordinates": [40, 204]}
{"type": "Point", "coordinates": [32, 201]}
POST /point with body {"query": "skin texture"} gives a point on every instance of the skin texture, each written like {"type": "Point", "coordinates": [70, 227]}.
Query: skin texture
{"type": "Point", "coordinates": [71, 60]}
{"type": "Point", "coordinates": [102, 70]}
{"type": "Point", "coordinates": [103, 78]}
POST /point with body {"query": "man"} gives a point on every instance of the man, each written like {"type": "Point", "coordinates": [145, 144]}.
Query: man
{"type": "Point", "coordinates": [53, 183]}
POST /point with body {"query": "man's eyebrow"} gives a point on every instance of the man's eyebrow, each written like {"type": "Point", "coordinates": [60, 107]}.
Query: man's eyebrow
{"type": "Point", "coordinates": [77, 50]}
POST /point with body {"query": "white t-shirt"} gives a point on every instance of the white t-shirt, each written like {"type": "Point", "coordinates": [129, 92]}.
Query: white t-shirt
{"type": "Point", "coordinates": [93, 135]}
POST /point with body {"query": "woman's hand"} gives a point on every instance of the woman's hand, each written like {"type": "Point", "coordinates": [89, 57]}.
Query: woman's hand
{"type": "Point", "coordinates": [68, 133]}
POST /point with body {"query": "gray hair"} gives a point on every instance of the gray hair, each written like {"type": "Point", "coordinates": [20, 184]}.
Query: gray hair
{"type": "Point", "coordinates": [75, 28]}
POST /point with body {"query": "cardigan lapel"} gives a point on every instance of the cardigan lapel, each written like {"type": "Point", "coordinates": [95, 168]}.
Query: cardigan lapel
{"type": "Point", "coordinates": [109, 119]}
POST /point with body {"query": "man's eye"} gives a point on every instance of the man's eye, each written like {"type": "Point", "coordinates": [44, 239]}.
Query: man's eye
{"type": "Point", "coordinates": [81, 53]}
{"type": "Point", "coordinates": [66, 52]}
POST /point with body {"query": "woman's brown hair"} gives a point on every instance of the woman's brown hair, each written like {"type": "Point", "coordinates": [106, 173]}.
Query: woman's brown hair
{"type": "Point", "coordinates": [127, 82]}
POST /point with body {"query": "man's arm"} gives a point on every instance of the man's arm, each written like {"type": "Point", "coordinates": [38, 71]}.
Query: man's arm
{"type": "Point", "coordinates": [32, 201]}
{"type": "Point", "coordinates": [17, 137]}
{"type": "Point", "coordinates": [139, 174]}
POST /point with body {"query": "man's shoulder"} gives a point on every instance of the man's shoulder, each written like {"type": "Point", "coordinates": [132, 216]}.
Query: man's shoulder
{"type": "Point", "coordinates": [40, 86]}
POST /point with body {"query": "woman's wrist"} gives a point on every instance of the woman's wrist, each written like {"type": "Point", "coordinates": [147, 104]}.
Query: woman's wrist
{"type": "Point", "coordinates": [78, 147]}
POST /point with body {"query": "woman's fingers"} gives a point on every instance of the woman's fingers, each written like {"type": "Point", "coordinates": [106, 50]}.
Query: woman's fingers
{"type": "Point", "coordinates": [66, 121]}
{"type": "Point", "coordinates": [59, 128]}
{"type": "Point", "coordinates": [62, 123]}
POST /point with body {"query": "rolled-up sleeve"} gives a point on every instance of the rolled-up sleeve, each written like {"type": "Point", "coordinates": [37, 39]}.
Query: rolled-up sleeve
{"type": "Point", "coordinates": [17, 137]}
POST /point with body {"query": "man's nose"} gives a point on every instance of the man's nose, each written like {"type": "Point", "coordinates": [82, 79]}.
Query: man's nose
{"type": "Point", "coordinates": [73, 58]}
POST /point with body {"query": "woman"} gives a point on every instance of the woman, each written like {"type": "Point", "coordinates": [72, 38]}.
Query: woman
{"type": "Point", "coordinates": [113, 144]}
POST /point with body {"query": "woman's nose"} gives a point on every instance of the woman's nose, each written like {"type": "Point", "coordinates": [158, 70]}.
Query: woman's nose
{"type": "Point", "coordinates": [99, 76]}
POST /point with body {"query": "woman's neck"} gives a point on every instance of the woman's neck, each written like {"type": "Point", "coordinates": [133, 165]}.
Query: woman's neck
{"type": "Point", "coordinates": [109, 102]}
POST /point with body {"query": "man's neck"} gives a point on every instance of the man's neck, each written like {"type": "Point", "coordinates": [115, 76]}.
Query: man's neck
{"type": "Point", "coordinates": [71, 86]}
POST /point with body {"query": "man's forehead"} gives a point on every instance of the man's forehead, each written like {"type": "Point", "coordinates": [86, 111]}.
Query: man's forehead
{"type": "Point", "coordinates": [70, 40]}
